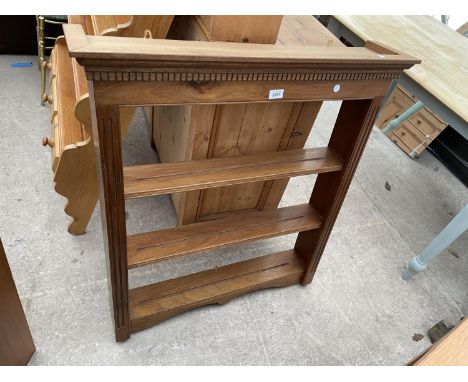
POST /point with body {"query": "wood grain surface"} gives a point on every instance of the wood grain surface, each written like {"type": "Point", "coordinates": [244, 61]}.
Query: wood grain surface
{"type": "Point", "coordinates": [350, 134]}
{"type": "Point", "coordinates": [157, 179]}
{"type": "Point", "coordinates": [443, 71]}
{"type": "Point", "coordinates": [16, 343]}
{"type": "Point", "coordinates": [108, 151]}
{"type": "Point", "coordinates": [122, 72]}
{"type": "Point", "coordinates": [200, 132]}
{"type": "Point", "coordinates": [451, 350]}
{"type": "Point", "coordinates": [243, 227]}
{"type": "Point", "coordinates": [183, 54]}
{"type": "Point", "coordinates": [154, 303]}
{"type": "Point", "coordinates": [246, 29]}
{"type": "Point", "coordinates": [72, 147]}
{"type": "Point", "coordinates": [68, 125]}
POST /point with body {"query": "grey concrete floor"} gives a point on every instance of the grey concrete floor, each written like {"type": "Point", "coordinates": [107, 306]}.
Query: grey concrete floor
{"type": "Point", "coordinates": [357, 311]}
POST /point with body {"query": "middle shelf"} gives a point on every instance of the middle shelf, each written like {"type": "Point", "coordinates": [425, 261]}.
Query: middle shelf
{"type": "Point", "coordinates": [151, 247]}
{"type": "Point", "coordinates": [165, 178]}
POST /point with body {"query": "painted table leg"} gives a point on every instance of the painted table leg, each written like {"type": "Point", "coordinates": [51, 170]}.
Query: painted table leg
{"type": "Point", "coordinates": [403, 117]}
{"type": "Point", "coordinates": [447, 236]}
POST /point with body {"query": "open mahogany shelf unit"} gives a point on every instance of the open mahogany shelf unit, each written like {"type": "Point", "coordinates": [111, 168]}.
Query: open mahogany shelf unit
{"type": "Point", "coordinates": [144, 72]}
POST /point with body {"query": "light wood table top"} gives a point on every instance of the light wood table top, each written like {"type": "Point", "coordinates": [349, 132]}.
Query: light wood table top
{"type": "Point", "coordinates": [451, 350]}
{"type": "Point", "coordinates": [443, 51]}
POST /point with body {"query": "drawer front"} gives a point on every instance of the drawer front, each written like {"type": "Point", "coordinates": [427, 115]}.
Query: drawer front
{"type": "Point", "coordinates": [424, 125]}
{"type": "Point", "coordinates": [398, 102]}
{"type": "Point", "coordinates": [418, 131]}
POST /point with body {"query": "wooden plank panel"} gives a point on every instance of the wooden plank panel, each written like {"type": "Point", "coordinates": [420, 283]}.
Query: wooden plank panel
{"type": "Point", "coordinates": [305, 30]}
{"type": "Point", "coordinates": [85, 21]}
{"type": "Point", "coordinates": [77, 19]}
{"type": "Point", "coordinates": [106, 25]}
{"type": "Point", "coordinates": [244, 129]}
{"type": "Point", "coordinates": [89, 25]}
{"type": "Point", "coordinates": [157, 25]}
{"type": "Point", "coordinates": [226, 92]}
{"type": "Point", "coordinates": [223, 137]}
{"type": "Point", "coordinates": [16, 342]}
{"type": "Point", "coordinates": [81, 83]}
{"type": "Point", "coordinates": [450, 350]}
{"type": "Point", "coordinates": [255, 29]}
{"type": "Point", "coordinates": [154, 303]}
{"type": "Point", "coordinates": [169, 243]}
{"type": "Point", "coordinates": [273, 190]}
{"type": "Point", "coordinates": [173, 133]}
{"type": "Point", "coordinates": [158, 179]}
{"type": "Point", "coordinates": [201, 120]}
{"type": "Point", "coordinates": [69, 126]}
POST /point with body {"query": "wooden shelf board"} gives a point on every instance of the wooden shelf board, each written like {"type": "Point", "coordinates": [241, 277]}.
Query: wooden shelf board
{"type": "Point", "coordinates": [165, 178]}
{"type": "Point", "coordinates": [151, 304]}
{"type": "Point", "coordinates": [146, 248]}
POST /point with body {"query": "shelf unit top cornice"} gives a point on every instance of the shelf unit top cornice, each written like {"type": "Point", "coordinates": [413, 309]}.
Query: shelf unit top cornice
{"type": "Point", "coordinates": [105, 51]}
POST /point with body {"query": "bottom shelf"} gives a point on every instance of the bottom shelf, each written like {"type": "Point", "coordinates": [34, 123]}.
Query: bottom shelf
{"type": "Point", "coordinates": [154, 303]}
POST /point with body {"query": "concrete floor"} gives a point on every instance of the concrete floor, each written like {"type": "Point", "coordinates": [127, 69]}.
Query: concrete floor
{"type": "Point", "coordinates": [357, 311]}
